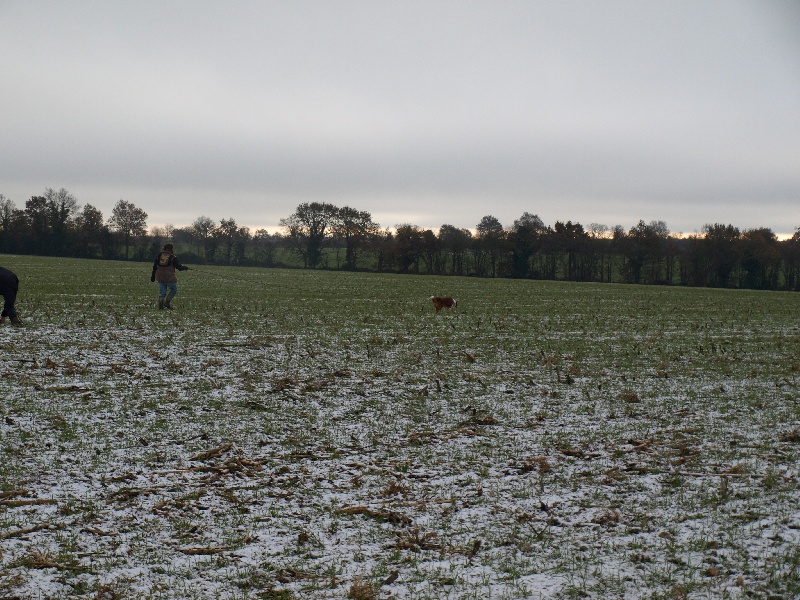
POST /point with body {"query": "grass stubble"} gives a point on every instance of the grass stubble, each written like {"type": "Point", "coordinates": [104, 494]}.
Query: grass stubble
{"type": "Point", "coordinates": [295, 434]}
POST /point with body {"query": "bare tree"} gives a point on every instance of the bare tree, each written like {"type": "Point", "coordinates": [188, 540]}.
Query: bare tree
{"type": "Point", "coordinates": [233, 238]}
{"type": "Point", "coordinates": [127, 220]}
{"type": "Point", "coordinates": [600, 236]}
{"type": "Point", "coordinates": [408, 248]}
{"type": "Point", "coordinates": [7, 208]}
{"type": "Point", "coordinates": [489, 243]}
{"type": "Point", "coordinates": [524, 241]}
{"type": "Point", "coordinates": [760, 258]}
{"type": "Point", "coordinates": [307, 229]}
{"type": "Point", "coordinates": [264, 245]}
{"type": "Point", "coordinates": [356, 229]}
{"type": "Point", "coordinates": [721, 253]}
{"type": "Point", "coordinates": [454, 243]}
{"type": "Point", "coordinates": [643, 251]}
{"type": "Point", "coordinates": [431, 252]}
{"type": "Point", "coordinates": [160, 235]}
{"type": "Point", "coordinates": [203, 233]}
{"type": "Point", "coordinates": [529, 220]}
{"type": "Point", "coordinates": [90, 230]}
{"type": "Point", "coordinates": [61, 207]}
{"type": "Point", "coordinates": [571, 240]}
{"type": "Point", "coordinates": [38, 224]}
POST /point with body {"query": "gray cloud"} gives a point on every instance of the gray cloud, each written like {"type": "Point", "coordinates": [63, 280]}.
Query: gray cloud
{"type": "Point", "coordinates": [423, 112]}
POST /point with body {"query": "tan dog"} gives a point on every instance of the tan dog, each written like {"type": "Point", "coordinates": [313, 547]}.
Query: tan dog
{"type": "Point", "coordinates": [440, 302]}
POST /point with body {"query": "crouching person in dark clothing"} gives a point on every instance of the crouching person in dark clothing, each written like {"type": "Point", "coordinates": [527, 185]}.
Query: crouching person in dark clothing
{"type": "Point", "coordinates": [9, 286]}
{"type": "Point", "coordinates": [164, 273]}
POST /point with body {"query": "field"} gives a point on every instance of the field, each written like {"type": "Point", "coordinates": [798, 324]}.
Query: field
{"type": "Point", "coordinates": [298, 434]}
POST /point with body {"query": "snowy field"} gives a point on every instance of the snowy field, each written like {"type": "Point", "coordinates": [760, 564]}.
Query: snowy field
{"type": "Point", "coordinates": [295, 434]}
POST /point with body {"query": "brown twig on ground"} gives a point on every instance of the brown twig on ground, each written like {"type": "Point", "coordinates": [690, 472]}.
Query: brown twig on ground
{"type": "Point", "coordinates": [382, 515]}
{"type": "Point", "coordinates": [15, 503]}
{"type": "Point", "coordinates": [213, 453]}
{"type": "Point", "coordinates": [23, 531]}
{"type": "Point", "coordinates": [203, 551]}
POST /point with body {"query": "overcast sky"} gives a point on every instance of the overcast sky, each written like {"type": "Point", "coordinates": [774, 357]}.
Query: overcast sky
{"type": "Point", "coordinates": [423, 112]}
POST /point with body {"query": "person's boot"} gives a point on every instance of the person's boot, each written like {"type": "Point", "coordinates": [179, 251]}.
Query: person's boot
{"type": "Point", "coordinates": [15, 320]}
{"type": "Point", "coordinates": [160, 303]}
{"type": "Point", "coordinates": [170, 296]}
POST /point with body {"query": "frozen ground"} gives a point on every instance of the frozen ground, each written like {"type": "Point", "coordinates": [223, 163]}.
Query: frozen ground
{"type": "Point", "coordinates": [293, 435]}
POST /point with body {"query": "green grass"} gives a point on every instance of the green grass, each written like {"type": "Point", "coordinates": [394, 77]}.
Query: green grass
{"type": "Point", "coordinates": [289, 433]}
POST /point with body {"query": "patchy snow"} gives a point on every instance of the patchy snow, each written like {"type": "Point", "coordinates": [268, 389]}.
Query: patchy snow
{"type": "Point", "coordinates": [597, 449]}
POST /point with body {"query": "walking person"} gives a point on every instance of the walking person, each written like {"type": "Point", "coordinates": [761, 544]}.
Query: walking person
{"type": "Point", "coordinates": [9, 286]}
{"type": "Point", "coordinates": [164, 268]}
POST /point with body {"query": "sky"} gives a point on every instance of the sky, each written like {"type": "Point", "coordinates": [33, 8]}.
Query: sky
{"type": "Point", "coordinates": [422, 112]}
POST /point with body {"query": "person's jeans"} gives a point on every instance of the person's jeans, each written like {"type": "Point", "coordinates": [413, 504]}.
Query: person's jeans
{"type": "Point", "coordinates": [163, 287]}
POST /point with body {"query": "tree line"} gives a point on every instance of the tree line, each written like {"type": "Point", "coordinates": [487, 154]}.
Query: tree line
{"type": "Point", "coordinates": [320, 235]}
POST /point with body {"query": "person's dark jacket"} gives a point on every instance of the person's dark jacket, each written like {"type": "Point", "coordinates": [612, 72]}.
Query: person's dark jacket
{"type": "Point", "coordinates": [9, 279]}
{"type": "Point", "coordinates": [164, 267]}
